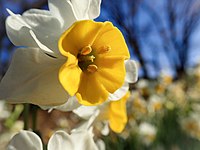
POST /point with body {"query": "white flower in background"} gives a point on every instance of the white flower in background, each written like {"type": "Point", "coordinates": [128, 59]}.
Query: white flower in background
{"type": "Point", "coordinates": [27, 140]}
{"type": "Point", "coordinates": [6, 136]}
{"type": "Point", "coordinates": [191, 124]}
{"type": "Point", "coordinates": [155, 103]}
{"type": "Point", "coordinates": [4, 113]}
{"type": "Point", "coordinates": [112, 113]}
{"type": "Point", "coordinates": [59, 62]}
{"type": "Point", "coordinates": [147, 132]}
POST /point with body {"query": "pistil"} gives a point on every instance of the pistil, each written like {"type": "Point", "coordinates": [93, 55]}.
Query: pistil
{"type": "Point", "coordinates": [83, 58]}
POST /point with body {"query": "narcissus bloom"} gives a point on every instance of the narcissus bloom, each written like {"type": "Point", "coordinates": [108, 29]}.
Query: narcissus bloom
{"type": "Point", "coordinates": [95, 66]}
{"type": "Point", "coordinates": [114, 112]}
{"type": "Point", "coordinates": [63, 56]}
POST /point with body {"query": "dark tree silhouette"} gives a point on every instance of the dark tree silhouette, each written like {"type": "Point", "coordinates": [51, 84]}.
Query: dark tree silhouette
{"type": "Point", "coordinates": [172, 21]}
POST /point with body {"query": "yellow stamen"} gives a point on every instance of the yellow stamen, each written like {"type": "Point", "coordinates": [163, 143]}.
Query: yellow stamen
{"type": "Point", "coordinates": [104, 49]}
{"type": "Point", "coordinates": [86, 50]}
{"type": "Point", "coordinates": [92, 68]}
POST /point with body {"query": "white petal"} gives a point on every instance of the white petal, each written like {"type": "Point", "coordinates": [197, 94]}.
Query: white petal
{"type": "Point", "coordinates": [18, 31]}
{"type": "Point", "coordinates": [82, 140]}
{"type": "Point", "coordinates": [85, 112]}
{"type": "Point", "coordinates": [25, 140]}
{"type": "Point", "coordinates": [101, 145]}
{"type": "Point", "coordinates": [63, 10]}
{"type": "Point", "coordinates": [106, 130]}
{"type": "Point", "coordinates": [46, 27]}
{"type": "Point", "coordinates": [35, 28]}
{"type": "Point", "coordinates": [33, 78]}
{"type": "Point", "coordinates": [71, 104]}
{"type": "Point", "coordinates": [61, 140]}
{"type": "Point", "coordinates": [86, 9]}
{"type": "Point", "coordinates": [117, 95]}
{"type": "Point", "coordinates": [85, 140]}
{"type": "Point", "coordinates": [94, 9]}
{"type": "Point", "coordinates": [131, 71]}
{"type": "Point", "coordinates": [81, 8]}
{"type": "Point", "coordinates": [89, 121]}
{"type": "Point", "coordinates": [42, 46]}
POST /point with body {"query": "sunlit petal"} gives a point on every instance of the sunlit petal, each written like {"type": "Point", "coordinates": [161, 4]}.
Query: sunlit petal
{"type": "Point", "coordinates": [81, 8]}
{"type": "Point", "coordinates": [78, 36]}
{"type": "Point", "coordinates": [85, 141]}
{"type": "Point", "coordinates": [71, 104]}
{"type": "Point", "coordinates": [112, 37]}
{"type": "Point", "coordinates": [64, 11]}
{"type": "Point", "coordinates": [111, 72]}
{"type": "Point", "coordinates": [91, 91]}
{"type": "Point", "coordinates": [18, 31]}
{"type": "Point", "coordinates": [119, 93]}
{"type": "Point", "coordinates": [42, 23]}
{"type": "Point", "coordinates": [85, 111]}
{"type": "Point", "coordinates": [60, 140]}
{"type": "Point", "coordinates": [117, 114]}
{"type": "Point", "coordinates": [25, 140]}
{"type": "Point", "coordinates": [70, 74]}
{"type": "Point", "coordinates": [94, 9]}
{"type": "Point", "coordinates": [131, 71]}
{"type": "Point", "coordinates": [33, 78]}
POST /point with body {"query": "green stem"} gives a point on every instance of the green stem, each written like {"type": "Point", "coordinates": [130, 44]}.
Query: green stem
{"type": "Point", "coordinates": [34, 118]}
{"type": "Point", "coordinates": [26, 116]}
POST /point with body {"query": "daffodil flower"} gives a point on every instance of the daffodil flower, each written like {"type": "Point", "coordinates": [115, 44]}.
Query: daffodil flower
{"type": "Point", "coordinates": [95, 55]}
{"type": "Point", "coordinates": [64, 57]}
{"type": "Point", "coordinates": [114, 112]}
{"type": "Point", "coordinates": [27, 140]}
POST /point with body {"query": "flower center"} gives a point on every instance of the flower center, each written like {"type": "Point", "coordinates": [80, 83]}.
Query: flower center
{"type": "Point", "coordinates": [86, 59]}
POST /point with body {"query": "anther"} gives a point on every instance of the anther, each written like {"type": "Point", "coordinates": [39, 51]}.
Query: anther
{"type": "Point", "coordinates": [92, 68]}
{"type": "Point", "coordinates": [86, 50]}
{"type": "Point", "coordinates": [104, 49]}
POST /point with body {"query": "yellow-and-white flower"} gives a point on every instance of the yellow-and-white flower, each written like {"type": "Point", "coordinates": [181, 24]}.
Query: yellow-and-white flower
{"type": "Point", "coordinates": [63, 56]}
{"type": "Point", "coordinates": [113, 111]}
{"type": "Point", "coordinates": [4, 112]}
{"type": "Point", "coordinates": [147, 132]}
{"type": "Point", "coordinates": [27, 140]}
